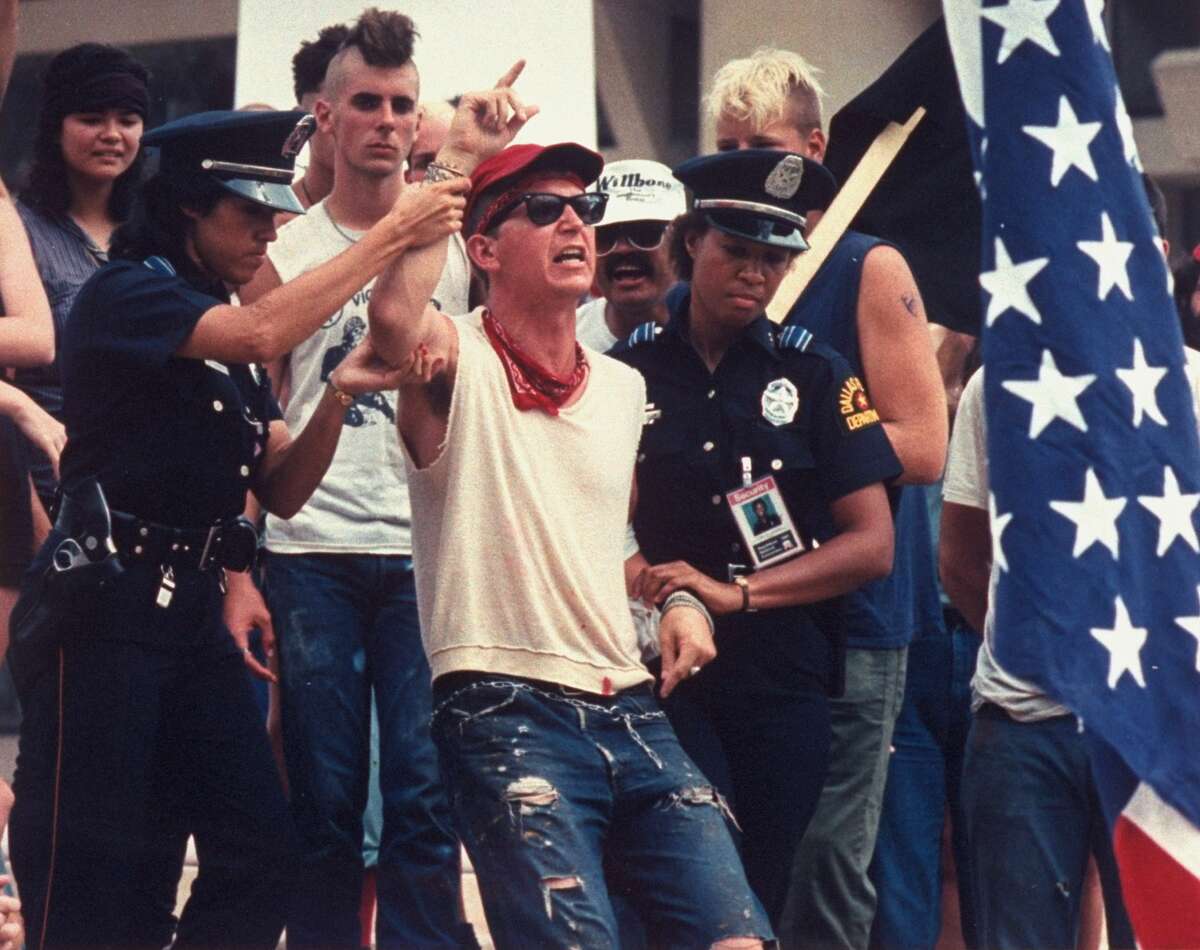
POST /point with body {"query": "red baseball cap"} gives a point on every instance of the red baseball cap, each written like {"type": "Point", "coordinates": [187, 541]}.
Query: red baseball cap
{"type": "Point", "coordinates": [490, 178]}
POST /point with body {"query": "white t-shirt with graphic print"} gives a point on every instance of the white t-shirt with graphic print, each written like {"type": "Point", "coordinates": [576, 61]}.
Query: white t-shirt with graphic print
{"type": "Point", "coordinates": [361, 505]}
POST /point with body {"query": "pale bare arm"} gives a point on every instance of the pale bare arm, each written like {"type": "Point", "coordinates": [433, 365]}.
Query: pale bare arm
{"type": "Point", "coordinates": [42, 430]}
{"type": "Point", "coordinates": [900, 367]}
{"type": "Point", "coordinates": [483, 124]}
{"type": "Point", "coordinates": [27, 330]}
{"type": "Point", "coordinates": [965, 560]}
{"type": "Point", "coordinates": [407, 331]}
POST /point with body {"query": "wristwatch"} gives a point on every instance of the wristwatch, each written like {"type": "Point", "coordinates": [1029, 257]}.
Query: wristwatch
{"type": "Point", "coordinates": [346, 399]}
{"type": "Point", "coordinates": [744, 583]}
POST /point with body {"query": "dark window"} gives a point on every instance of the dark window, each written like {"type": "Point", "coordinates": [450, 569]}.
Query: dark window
{"type": "Point", "coordinates": [605, 138]}
{"type": "Point", "coordinates": [1140, 30]}
{"type": "Point", "coordinates": [684, 90]}
{"type": "Point", "coordinates": [186, 76]}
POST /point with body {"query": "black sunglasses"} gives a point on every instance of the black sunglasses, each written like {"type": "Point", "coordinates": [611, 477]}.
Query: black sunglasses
{"type": "Point", "coordinates": [545, 208]}
{"type": "Point", "coordinates": [640, 235]}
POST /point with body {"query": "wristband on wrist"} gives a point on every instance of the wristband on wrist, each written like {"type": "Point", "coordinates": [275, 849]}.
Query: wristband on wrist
{"type": "Point", "coordinates": [685, 598]}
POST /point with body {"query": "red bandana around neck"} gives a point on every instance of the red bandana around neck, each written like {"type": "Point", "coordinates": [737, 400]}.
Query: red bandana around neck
{"type": "Point", "coordinates": [532, 385]}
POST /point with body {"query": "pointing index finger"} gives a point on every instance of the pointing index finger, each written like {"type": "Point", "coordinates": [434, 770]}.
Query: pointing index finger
{"type": "Point", "coordinates": [511, 76]}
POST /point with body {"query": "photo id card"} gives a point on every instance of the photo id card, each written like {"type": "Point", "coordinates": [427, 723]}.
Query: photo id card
{"type": "Point", "coordinates": [764, 521]}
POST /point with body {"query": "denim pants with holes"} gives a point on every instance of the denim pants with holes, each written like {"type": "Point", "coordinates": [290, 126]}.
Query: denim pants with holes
{"type": "Point", "coordinates": [560, 796]}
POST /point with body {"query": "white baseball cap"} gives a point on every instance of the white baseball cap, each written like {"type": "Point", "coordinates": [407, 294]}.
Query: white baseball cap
{"type": "Point", "coordinates": [640, 190]}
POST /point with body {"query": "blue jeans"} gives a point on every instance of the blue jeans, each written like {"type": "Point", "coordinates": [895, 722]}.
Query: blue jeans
{"type": "Point", "coordinates": [348, 624]}
{"type": "Point", "coordinates": [924, 778]}
{"type": "Point", "coordinates": [832, 901]}
{"type": "Point", "coordinates": [559, 796]}
{"type": "Point", "coordinates": [1033, 817]}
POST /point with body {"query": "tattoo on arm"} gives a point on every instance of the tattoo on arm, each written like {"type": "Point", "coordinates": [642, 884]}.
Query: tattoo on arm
{"type": "Point", "coordinates": [910, 304]}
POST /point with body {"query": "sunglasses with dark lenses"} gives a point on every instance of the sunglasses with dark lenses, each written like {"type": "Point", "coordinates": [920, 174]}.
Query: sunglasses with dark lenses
{"type": "Point", "coordinates": [640, 235]}
{"type": "Point", "coordinates": [751, 225]}
{"type": "Point", "coordinates": [545, 208]}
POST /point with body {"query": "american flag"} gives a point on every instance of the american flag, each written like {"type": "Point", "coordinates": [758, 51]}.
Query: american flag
{"type": "Point", "coordinates": [1094, 460]}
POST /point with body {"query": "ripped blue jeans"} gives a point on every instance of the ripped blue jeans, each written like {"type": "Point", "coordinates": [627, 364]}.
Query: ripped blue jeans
{"type": "Point", "coordinates": [563, 798]}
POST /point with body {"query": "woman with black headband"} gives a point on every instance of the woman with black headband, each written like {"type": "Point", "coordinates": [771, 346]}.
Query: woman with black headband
{"type": "Point", "coordinates": [85, 169]}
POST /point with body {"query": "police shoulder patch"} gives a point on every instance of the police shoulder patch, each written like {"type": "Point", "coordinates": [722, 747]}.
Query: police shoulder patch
{"type": "Point", "coordinates": [160, 264]}
{"type": "Point", "coordinates": [644, 333]}
{"type": "Point", "coordinates": [854, 406]}
{"type": "Point", "coordinates": [794, 337]}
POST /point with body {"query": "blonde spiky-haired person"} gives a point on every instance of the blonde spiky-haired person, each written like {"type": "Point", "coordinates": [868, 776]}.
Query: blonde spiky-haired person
{"type": "Point", "coordinates": [770, 99]}
{"type": "Point", "coordinates": [863, 302]}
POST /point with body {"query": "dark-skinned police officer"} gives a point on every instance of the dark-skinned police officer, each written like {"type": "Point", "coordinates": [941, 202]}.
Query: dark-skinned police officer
{"type": "Point", "coordinates": [742, 417]}
{"type": "Point", "coordinates": [139, 722]}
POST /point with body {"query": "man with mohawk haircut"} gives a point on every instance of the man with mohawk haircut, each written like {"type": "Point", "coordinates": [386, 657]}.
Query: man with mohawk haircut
{"type": "Point", "coordinates": [339, 575]}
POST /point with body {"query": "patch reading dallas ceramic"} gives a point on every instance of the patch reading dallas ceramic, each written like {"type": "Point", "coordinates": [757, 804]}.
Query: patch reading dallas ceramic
{"type": "Point", "coordinates": [854, 406]}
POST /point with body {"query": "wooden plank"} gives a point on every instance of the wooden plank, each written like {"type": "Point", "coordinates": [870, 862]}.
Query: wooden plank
{"type": "Point", "coordinates": [833, 224]}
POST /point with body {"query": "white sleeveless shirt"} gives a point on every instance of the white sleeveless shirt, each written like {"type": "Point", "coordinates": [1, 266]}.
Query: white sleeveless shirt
{"type": "Point", "coordinates": [362, 504]}
{"type": "Point", "coordinates": [519, 528]}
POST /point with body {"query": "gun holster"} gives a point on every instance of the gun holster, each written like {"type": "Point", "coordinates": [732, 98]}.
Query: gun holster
{"type": "Point", "coordinates": [57, 600]}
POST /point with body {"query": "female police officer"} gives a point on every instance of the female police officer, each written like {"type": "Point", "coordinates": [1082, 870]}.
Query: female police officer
{"type": "Point", "coordinates": [748, 418]}
{"type": "Point", "coordinates": [139, 722]}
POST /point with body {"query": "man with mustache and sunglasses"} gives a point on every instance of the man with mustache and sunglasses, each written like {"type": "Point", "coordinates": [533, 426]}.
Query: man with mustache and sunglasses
{"type": "Point", "coordinates": [633, 266]}
{"type": "Point", "coordinates": [567, 782]}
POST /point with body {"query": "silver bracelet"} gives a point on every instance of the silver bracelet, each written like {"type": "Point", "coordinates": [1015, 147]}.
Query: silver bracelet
{"type": "Point", "coordinates": [435, 171]}
{"type": "Point", "coordinates": [685, 598]}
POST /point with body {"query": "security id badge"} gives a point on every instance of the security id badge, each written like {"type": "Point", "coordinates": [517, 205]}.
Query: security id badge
{"type": "Point", "coordinates": [764, 521]}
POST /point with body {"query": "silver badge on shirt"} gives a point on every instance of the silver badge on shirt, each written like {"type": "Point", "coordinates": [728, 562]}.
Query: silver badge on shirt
{"type": "Point", "coordinates": [780, 400]}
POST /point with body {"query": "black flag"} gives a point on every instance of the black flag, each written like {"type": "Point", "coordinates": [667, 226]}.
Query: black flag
{"type": "Point", "coordinates": [926, 202]}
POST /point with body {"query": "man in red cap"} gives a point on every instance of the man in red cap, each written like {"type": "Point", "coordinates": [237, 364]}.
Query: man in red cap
{"type": "Point", "coordinates": [567, 782]}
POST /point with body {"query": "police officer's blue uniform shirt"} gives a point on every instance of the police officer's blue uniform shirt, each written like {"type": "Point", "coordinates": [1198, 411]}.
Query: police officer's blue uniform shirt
{"type": "Point", "coordinates": [888, 612]}
{"type": "Point", "coordinates": [171, 440]}
{"type": "Point", "coordinates": [690, 457]}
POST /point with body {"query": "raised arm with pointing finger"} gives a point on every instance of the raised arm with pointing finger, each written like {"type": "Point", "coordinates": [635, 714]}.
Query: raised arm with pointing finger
{"type": "Point", "coordinates": [407, 331]}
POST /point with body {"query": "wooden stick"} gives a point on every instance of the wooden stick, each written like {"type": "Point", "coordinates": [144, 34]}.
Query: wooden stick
{"type": "Point", "coordinates": [850, 199]}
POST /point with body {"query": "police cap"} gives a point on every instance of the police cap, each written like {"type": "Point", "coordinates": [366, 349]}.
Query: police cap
{"type": "Point", "coordinates": [251, 154]}
{"type": "Point", "coordinates": [758, 194]}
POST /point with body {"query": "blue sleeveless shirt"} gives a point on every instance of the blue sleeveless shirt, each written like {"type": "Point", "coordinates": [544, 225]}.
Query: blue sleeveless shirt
{"type": "Point", "coordinates": [891, 611]}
